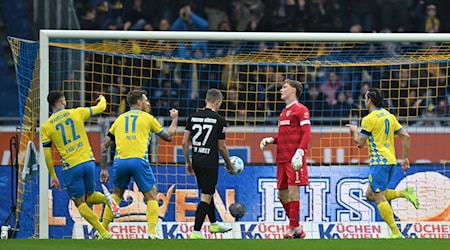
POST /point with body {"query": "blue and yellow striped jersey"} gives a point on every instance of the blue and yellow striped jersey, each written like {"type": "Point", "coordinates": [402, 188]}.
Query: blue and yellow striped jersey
{"type": "Point", "coordinates": [132, 133]}
{"type": "Point", "coordinates": [380, 127]}
{"type": "Point", "coordinates": [65, 128]}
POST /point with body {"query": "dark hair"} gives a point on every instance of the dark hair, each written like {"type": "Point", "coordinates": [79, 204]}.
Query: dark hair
{"type": "Point", "coordinates": [134, 95]}
{"type": "Point", "coordinates": [376, 96]}
{"type": "Point", "coordinates": [297, 85]}
{"type": "Point", "coordinates": [213, 95]}
{"type": "Point", "coordinates": [54, 96]}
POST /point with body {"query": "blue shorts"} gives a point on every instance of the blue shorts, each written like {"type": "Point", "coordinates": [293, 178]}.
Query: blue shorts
{"type": "Point", "coordinates": [139, 169]}
{"type": "Point", "coordinates": [80, 179]}
{"type": "Point", "coordinates": [380, 176]}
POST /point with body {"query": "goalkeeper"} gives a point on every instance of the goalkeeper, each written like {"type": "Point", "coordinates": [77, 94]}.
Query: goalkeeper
{"type": "Point", "coordinates": [294, 135]}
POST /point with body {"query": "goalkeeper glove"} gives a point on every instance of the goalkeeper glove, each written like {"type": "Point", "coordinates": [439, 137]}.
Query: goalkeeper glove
{"type": "Point", "coordinates": [265, 141]}
{"type": "Point", "coordinates": [297, 159]}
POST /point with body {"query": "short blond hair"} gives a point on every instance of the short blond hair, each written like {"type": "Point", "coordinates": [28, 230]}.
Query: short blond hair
{"type": "Point", "coordinates": [213, 95]}
{"type": "Point", "coordinates": [297, 85]}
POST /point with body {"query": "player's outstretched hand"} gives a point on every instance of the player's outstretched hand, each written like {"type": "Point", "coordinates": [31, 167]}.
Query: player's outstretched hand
{"type": "Point", "coordinates": [265, 141]}
{"type": "Point", "coordinates": [352, 128]}
{"type": "Point", "coordinates": [297, 159]}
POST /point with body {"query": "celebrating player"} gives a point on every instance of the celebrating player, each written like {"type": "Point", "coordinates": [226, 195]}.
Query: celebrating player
{"type": "Point", "coordinates": [378, 129]}
{"type": "Point", "coordinates": [206, 130]}
{"type": "Point", "coordinates": [131, 133]}
{"type": "Point", "coordinates": [65, 128]}
{"type": "Point", "coordinates": [294, 135]}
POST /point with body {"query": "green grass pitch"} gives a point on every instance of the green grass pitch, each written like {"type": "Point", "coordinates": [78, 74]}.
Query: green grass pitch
{"type": "Point", "coordinates": [228, 244]}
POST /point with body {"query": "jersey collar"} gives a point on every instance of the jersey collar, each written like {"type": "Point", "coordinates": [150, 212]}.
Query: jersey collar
{"type": "Point", "coordinates": [287, 106]}
{"type": "Point", "coordinates": [56, 111]}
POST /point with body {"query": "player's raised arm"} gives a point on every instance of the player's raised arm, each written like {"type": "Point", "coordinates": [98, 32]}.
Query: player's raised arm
{"type": "Point", "coordinates": [100, 107]}
{"type": "Point", "coordinates": [170, 132]}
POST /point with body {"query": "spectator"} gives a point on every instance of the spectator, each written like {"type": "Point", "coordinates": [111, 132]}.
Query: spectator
{"type": "Point", "coordinates": [330, 87]}
{"type": "Point", "coordinates": [433, 83]}
{"type": "Point", "coordinates": [284, 15]}
{"type": "Point", "coordinates": [426, 18]}
{"type": "Point", "coordinates": [273, 13]}
{"type": "Point", "coordinates": [302, 15]}
{"type": "Point", "coordinates": [224, 26]}
{"type": "Point", "coordinates": [256, 8]}
{"type": "Point", "coordinates": [394, 14]}
{"type": "Point", "coordinates": [164, 25]}
{"type": "Point", "coordinates": [92, 19]}
{"type": "Point", "coordinates": [362, 13]}
{"type": "Point", "coordinates": [139, 14]}
{"type": "Point", "coordinates": [359, 105]}
{"type": "Point", "coordinates": [234, 109]}
{"type": "Point", "coordinates": [356, 28]}
{"type": "Point", "coordinates": [165, 98]}
{"type": "Point", "coordinates": [443, 111]}
{"type": "Point", "coordinates": [189, 21]}
{"type": "Point", "coordinates": [398, 85]}
{"type": "Point", "coordinates": [240, 15]}
{"type": "Point", "coordinates": [341, 108]}
{"type": "Point", "coordinates": [216, 12]}
{"type": "Point", "coordinates": [412, 106]}
{"type": "Point", "coordinates": [274, 84]}
{"type": "Point", "coordinates": [325, 15]}
{"type": "Point", "coordinates": [428, 119]}
{"type": "Point", "coordinates": [315, 101]}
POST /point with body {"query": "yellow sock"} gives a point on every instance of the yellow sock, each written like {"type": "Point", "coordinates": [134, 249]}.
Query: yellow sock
{"type": "Point", "coordinates": [152, 216]}
{"type": "Point", "coordinates": [108, 215]}
{"type": "Point", "coordinates": [391, 194]}
{"type": "Point", "coordinates": [96, 198]}
{"type": "Point", "coordinates": [388, 216]}
{"type": "Point", "coordinates": [91, 217]}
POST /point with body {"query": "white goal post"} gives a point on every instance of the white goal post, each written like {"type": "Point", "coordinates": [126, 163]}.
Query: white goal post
{"type": "Point", "coordinates": [46, 35]}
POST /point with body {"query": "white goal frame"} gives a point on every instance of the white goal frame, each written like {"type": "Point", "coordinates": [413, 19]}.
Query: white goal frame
{"type": "Point", "coordinates": [46, 35]}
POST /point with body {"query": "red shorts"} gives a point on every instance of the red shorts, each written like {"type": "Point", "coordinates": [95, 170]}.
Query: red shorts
{"type": "Point", "coordinates": [286, 176]}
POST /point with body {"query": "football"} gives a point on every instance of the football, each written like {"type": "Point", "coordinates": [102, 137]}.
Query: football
{"type": "Point", "coordinates": [237, 210]}
{"type": "Point", "coordinates": [238, 165]}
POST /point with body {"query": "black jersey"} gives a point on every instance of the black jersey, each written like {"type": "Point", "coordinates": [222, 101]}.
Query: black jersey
{"type": "Point", "coordinates": [207, 128]}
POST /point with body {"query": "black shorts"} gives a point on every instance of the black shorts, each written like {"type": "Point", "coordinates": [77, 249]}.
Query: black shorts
{"type": "Point", "coordinates": [207, 179]}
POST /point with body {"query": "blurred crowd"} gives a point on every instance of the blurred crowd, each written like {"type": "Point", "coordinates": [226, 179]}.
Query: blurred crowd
{"type": "Point", "coordinates": [263, 15]}
{"type": "Point", "coordinates": [412, 91]}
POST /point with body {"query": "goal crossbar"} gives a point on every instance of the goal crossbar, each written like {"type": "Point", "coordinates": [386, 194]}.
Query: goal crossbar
{"type": "Point", "coordinates": [47, 35]}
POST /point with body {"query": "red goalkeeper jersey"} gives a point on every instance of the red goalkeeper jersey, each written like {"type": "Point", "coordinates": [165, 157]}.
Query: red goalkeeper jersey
{"type": "Point", "coordinates": [291, 131]}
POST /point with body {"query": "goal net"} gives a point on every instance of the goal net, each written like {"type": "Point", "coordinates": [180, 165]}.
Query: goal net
{"type": "Point", "coordinates": [177, 68]}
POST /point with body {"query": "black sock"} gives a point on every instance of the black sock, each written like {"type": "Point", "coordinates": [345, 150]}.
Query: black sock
{"type": "Point", "coordinates": [200, 215]}
{"type": "Point", "coordinates": [212, 211]}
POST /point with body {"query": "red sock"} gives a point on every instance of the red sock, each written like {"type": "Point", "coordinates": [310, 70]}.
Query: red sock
{"type": "Point", "coordinates": [286, 208]}
{"type": "Point", "coordinates": [294, 208]}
